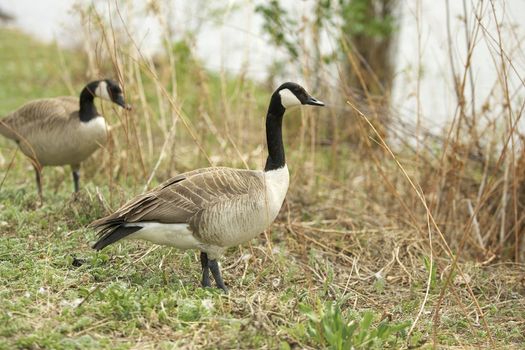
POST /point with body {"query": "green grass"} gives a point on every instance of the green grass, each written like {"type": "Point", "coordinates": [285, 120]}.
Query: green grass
{"type": "Point", "coordinates": [306, 288]}
{"type": "Point", "coordinates": [31, 70]}
{"type": "Point", "coordinates": [129, 297]}
{"type": "Point", "coordinates": [119, 295]}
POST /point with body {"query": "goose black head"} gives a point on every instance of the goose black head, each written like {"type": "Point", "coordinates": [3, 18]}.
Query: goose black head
{"type": "Point", "coordinates": [292, 94]}
{"type": "Point", "coordinates": [110, 90]}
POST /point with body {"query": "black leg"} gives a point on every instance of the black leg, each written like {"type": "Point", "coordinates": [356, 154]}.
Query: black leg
{"type": "Point", "coordinates": [214, 267]}
{"type": "Point", "coordinates": [205, 270]}
{"type": "Point", "coordinates": [76, 177]}
{"type": "Point", "coordinates": [38, 183]}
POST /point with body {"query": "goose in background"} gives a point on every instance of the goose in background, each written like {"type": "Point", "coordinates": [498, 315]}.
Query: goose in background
{"type": "Point", "coordinates": [212, 209]}
{"type": "Point", "coordinates": [62, 130]}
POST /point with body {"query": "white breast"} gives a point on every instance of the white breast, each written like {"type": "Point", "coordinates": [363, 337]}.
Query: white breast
{"type": "Point", "coordinates": [93, 132]}
{"type": "Point", "coordinates": [277, 182]}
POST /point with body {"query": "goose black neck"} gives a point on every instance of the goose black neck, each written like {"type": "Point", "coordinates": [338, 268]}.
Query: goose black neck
{"type": "Point", "coordinates": [274, 135]}
{"type": "Point", "coordinates": [88, 110]}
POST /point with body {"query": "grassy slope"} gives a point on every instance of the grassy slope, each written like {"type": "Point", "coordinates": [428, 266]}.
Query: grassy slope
{"type": "Point", "coordinates": [134, 295]}
{"type": "Point", "coordinates": [29, 70]}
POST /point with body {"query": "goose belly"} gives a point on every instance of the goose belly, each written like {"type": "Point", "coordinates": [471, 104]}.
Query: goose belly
{"type": "Point", "coordinates": [226, 229]}
{"type": "Point", "coordinates": [70, 144]}
{"type": "Point", "coordinates": [174, 235]}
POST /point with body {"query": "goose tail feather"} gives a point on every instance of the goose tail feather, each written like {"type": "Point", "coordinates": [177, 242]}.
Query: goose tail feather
{"type": "Point", "coordinates": [113, 235]}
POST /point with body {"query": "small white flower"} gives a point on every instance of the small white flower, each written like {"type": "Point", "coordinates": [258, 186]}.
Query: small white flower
{"type": "Point", "coordinates": [73, 303]}
{"type": "Point", "coordinates": [207, 304]}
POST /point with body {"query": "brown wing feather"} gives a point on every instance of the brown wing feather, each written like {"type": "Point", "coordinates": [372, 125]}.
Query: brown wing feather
{"type": "Point", "coordinates": [44, 114]}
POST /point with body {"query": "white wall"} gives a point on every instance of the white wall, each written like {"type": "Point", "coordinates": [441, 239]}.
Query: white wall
{"type": "Point", "coordinates": [239, 39]}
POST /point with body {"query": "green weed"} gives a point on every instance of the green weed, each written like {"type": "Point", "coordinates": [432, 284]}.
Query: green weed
{"type": "Point", "coordinates": [330, 328]}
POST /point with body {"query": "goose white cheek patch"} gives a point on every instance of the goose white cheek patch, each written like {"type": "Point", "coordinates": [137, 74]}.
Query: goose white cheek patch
{"type": "Point", "coordinates": [102, 91]}
{"type": "Point", "coordinates": [288, 99]}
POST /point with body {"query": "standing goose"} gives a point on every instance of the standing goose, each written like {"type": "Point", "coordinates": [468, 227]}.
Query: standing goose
{"type": "Point", "coordinates": [62, 130]}
{"type": "Point", "coordinates": [212, 209]}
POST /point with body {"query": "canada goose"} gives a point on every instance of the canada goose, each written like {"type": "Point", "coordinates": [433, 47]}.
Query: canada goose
{"type": "Point", "coordinates": [212, 209]}
{"type": "Point", "coordinates": [62, 130]}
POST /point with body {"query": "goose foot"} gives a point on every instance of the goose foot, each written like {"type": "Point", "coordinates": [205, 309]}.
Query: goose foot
{"type": "Point", "coordinates": [213, 266]}
{"type": "Point", "coordinates": [215, 271]}
{"type": "Point", "coordinates": [78, 262]}
{"type": "Point", "coordinates": [205, 271]}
